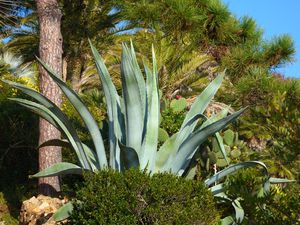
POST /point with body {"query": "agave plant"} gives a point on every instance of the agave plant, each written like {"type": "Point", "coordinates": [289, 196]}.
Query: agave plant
{"type": "Point", "coordinates": [133, 124]}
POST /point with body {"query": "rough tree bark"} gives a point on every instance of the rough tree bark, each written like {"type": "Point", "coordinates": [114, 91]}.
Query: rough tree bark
{"type": "Point", "coordinates": [50, 52]}
{"type": "Point", "coordinates": [75, 66]}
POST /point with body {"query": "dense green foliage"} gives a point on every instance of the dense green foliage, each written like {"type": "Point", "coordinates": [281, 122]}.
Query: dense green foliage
{"type": "Point", "coordinates": [16, 145]}
{"type": "Point", "coordinates": [280, 206]}
{"type": "Point", "coordinates": [172, 114]}
{"type": "Point", "coordinates": [271, 125]}
{"type": "Point", "coordinates": [171, 121]}
{"type": "Point", "coordinates": [193, 40]}
{"type": "Point", "coordinates": [5, 212]}
{"type": "Point", "coordinates": [134, 197]}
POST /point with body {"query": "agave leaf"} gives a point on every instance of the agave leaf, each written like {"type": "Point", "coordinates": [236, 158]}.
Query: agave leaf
{"type": "Point", "coordinates": [221, 146]}
{"type": "Point", "coordinates": [265, 190]}
{"type": "Point", "coordinates": [196, 111]}
{"type": "Point", "coordinates": [53, 108]}
{"type": "Point", "coordinates": [239, 211]}
{"type": "Point", "coordinates": [189, 147]}
{"type": "Point", "coordinates": [217, 135]}
{"type": "Point", "coordinates": [115, 116]}
{"type": "Point", "coordinates": [266, 187]}
{"type": "Point", "coordinates": [195, 119]}
{"type": "Point", "coordinates": [234, 168]}
{"type": "Point", "coordinates": [199, 106]}
{"type": "Point", "coordinates": [215, 117]}
{"type": "Point", "coordinates": [223, 196]}
{"type": "Point", "coordinates": [154, 65]}
{"type": "Point", "coordinates": [134, 117]}
{"type": "Point", "coordinates": [63, 212]}
{"type": "Point", "coordinates": [274, 180]}
{"type": "Point", "coordinates": [84, 114]}
{"type": "Point", "coordinates": [91, 156]}
{"type": "Point", "coordinates": [208, 121]}
{"type": "Point", "coordinates": [203, 100]}
{"type": "Point", "coordinates": [167, 151]}
{"type": "Point", "coordinates": [139, 78]}
{"type": "Point", "coordinates": [57, 169]}
{"type": "Point", "coordinates": [228, 221]}
{"type": "Point", "coordinates": [149, 88]}
{"type": "Point", "coordinates": [148, 155]}
{"type": "Point", "coordinates": [187, 128]}
{"type": "Point", "coordinates": [165, 154]}
{"type": "Point", "coordinates": [39, 112]}
{"type": "Point", "coordinates": [32, 93]}
{"type": "Point", "coordinates": [61, 123]}
{"type": "Point", "coordinates": [129, 157]}
{"type": "Point", "coordinates": [56, 142]}
{"type": "Point", "coordinates": [76, 143]}
{"type": "Point", "coordinates": [217, 189]}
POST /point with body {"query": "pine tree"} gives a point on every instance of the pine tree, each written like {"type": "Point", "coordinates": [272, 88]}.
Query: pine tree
{"type": "Point", "coordinates": [50, 49]}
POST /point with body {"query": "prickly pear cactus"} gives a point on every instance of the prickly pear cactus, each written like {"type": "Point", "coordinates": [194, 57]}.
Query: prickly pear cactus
{"type": "Point", "coordinates": [228, 137]}
{"type": "Point", "coordinates": [233, 147]}
{"type": "Point", "coordinates": [221, 163]}
{"type": "Point", "coordinates": [235, 153]}
{"type": "Point", "coordinates": [178, 105]}
{"type": "Point", "coordinates": [211, 154]}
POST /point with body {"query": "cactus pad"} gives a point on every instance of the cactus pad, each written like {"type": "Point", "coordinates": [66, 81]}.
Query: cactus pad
{"type": "Point", "coordinates": [178, 105]}
{"type": "Point", "coordinates": [235, 153]}
{"type": "Point", "coordinates": [229, 137]}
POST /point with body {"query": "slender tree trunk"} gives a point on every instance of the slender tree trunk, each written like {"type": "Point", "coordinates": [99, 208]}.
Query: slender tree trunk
{"type": "Point", "coordinates": [50, 50]}
{"type": "Point", "coordinates": [74, 70]}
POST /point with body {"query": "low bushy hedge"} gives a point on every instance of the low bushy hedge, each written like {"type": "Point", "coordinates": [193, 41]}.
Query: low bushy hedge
{"type": "Point", "coordinates": [134, 197]}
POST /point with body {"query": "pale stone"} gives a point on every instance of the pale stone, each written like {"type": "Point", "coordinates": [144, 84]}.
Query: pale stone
{"type": "Point", "coordinates": [44, 206]}
{"type": "Point", "coordinates": [39, 210]}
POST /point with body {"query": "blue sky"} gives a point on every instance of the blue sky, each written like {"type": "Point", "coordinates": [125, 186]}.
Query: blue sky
{"type": "Point", "coordinates": [275, 17]}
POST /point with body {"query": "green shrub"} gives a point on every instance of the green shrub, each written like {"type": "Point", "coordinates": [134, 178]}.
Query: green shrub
{"type": "Point", "coordinates": [271, 125]}
{"type": "Point", "coordinates": [110, 197]}
{"type": "Point", "coordinates": [171, 120]}
{"type": "Point", "coordinates": [172, 114]}
{"type": "Point", "coordinates": [279, 206]}
{"type": "Point", "coordinates": [5, 216]}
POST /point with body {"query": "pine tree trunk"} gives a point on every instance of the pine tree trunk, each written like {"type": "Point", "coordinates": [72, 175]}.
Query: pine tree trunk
{"type": "Point", "coordinates": [50, 51]}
